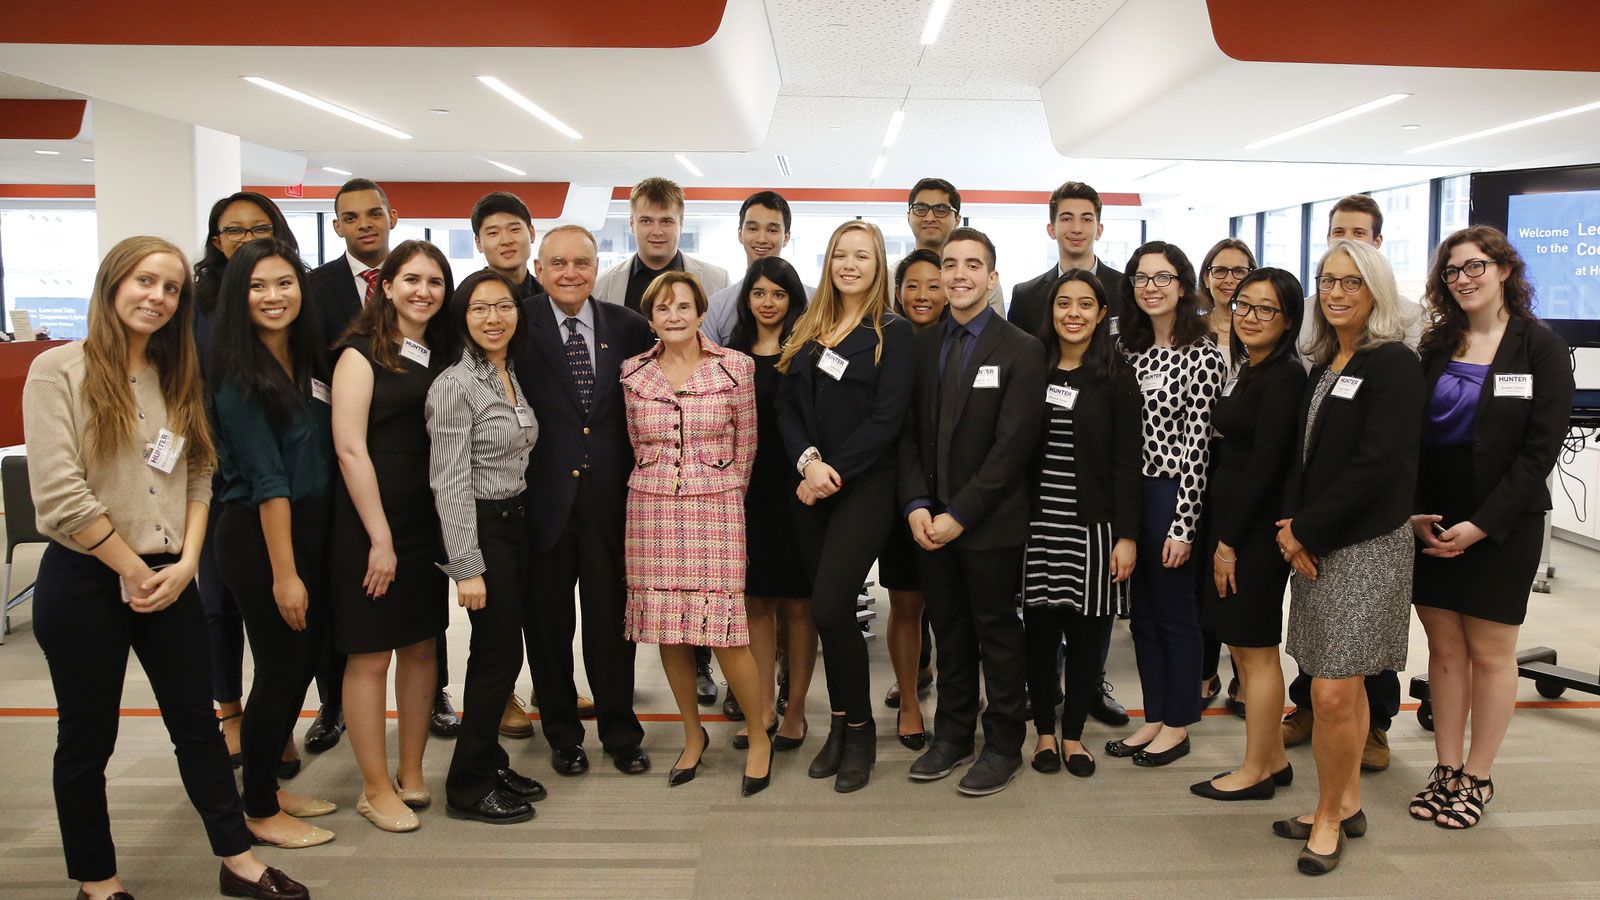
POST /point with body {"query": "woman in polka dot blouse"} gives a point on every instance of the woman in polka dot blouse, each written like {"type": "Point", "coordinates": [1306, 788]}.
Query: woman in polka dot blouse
{"type": "Point", "coordinates": [1180, 374]}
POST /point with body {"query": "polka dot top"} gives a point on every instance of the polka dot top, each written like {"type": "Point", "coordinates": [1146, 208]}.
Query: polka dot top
{"type": "Point", "coordinates": [1179, 385]}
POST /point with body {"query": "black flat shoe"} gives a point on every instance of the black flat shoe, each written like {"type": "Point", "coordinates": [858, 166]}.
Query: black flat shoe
{"type": "Point", "coordinates": [751, 786]}
{"type": "Point", "coordinates": [1294, 829]}
{"type": "Point", "coordinates": [1284, 776]}
{"type": "Point", "coordinates": [1264, 789]}
{"type": "Point", "coordinates": [784, 743]}
{"type": "Point", "coordinates": [569, 760]}
{"type": "Point", "coordinates": [272, 885]}
{"type": "Point", "coordinates": [1123, 749]}
{"type": "Point", "coordinates": [496, 808]}
{"type": "Point", "coordinates": [520, 786]}
{"type": "Point", "coordinates": [288, 768]}
{"type": "Point", "coordinates": [1153, 760]}
{"type": "Point", "coordinates": [1047, 761]}
{"type": "Point", "coordinates": [1314, 863]}
{"type": "Point", "coordinates": [1080, 764]}
{"type": "Point", "coordinates": [916, 740]}
{"type": "Point", "coordinates": [1212, 692]}
{"type": "Point", "coordinates": [686, 774]}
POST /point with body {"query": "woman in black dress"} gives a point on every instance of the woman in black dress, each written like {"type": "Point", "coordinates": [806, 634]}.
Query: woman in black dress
{"type": "Point", "coordinates": [389, 594]}
{"type": "Point", "coordinates": [770, 300]}
{"type": "Point", "coordinates": [1242, 599]}
{"type": "Point", "coordinates": [1500, 392]}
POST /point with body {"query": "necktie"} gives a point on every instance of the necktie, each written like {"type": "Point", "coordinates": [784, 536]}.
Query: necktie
{"type": "Point", "coordinates": [952, 364]}
{"type": "Point", "coordinates": [370, 276]}
{"type": "Point", "coordinates": [578, 361]}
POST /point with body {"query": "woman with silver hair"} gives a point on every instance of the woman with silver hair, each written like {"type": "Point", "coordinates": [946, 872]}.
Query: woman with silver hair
{"type": "Point", "coordinates": [1348, 533]}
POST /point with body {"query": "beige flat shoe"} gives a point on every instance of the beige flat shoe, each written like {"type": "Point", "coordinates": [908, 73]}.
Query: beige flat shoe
{"type": "Point", "coordinates": [418, 799]}
{"type": "Point", "coordinates": [309, 808]}
{"type": "Point", "coordinates": [315, 837]}
{"type": "Point", "coordinates": [397, 824]}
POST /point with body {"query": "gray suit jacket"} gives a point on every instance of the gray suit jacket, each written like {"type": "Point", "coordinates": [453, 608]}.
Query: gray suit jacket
{"type": "Point", "coordinates": [612, 285]}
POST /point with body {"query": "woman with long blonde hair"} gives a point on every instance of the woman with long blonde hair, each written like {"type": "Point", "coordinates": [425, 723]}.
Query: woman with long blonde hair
{"type": "Point", "coordinates": [848, 377]}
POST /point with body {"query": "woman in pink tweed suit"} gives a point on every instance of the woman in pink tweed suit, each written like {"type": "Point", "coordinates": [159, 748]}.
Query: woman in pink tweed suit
{"type": "Point", "coordinates": [692, 420]}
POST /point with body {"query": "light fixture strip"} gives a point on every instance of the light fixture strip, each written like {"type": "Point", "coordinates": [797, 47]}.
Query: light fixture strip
{"type": "Point", "coordinates": [877, 167]}
{"type": "Point", "coordinates": [935, 23]}
{"type": "Point", "coordinates": [332, 171]}
{"type": "Point", "coordinates": [528, 106]}
{"type": "Point", "coordinates": [1325, 121]}
{"type": "Point", "coordinates": [504, 168]}
{"type": "Point", "coordinates": [1510, 126]}
{"type": "Point", "coordinates": [684, 161]}
{"type": "Point", "coordinates": [325, 106]}
{"type": "Point", "coordinates": [896, 121]}
{"type": "Point", "coordinates": [783, 165]}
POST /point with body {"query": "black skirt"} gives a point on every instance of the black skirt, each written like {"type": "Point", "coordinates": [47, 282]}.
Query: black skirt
{"type": "Point", "coordinates": [1492, 579]}
{"type": "Point", "coordinates": [1253, 617]}
{"type": "Point", "coordinates": [897, 561]}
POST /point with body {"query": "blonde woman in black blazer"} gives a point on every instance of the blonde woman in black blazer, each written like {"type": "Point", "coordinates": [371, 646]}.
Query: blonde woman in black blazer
{"type": "Point", "coordinates": [1500, 393]}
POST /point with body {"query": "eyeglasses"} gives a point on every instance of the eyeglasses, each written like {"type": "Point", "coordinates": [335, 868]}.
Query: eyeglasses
{"type": "Point", "coordinates": [1161, 279]}
{"type": "Point", "coordinates": [1242, 310]}
{"type": "Point", "coordinates": [1472, 267]}
{"type": "Point", "coordinates": [239, 233]}
{"type": "Point", "coordinates": [939, 210]}
{"type": "Point", "coordinates": [1350, 283]}
{"type": "Point", "coordinates": [506, 309]}
{"type": "Point", "coordinates": [1238, 272]}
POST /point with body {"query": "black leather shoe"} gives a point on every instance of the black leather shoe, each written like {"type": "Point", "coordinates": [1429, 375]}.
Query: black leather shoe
{"type": "Point", "coordinates": [991, 774]}
{"type": "Point", "coordinates": [1212, 691]}
{"type": "Point", "coordinates": [444, 722]}
{"type": "Point", "coordinates": [826, 763]}
{"type": "Point", "coordinates": [685, 774]}
{"type": "Point", "coordinates": [730, 706]}
{"type": "Point", "coordinates": [1155, 760]}
{"type": "Point", "coordinates": [860, 752]}
{"type": "Point", "coordinates": [783, 692]}
{"type": "Point", "coordinates": [1284, 776]}
{"type": "Point", "coordinates": [705, 688]}
{"type": "Point", "coordinates": [1106, 709]}
{"type": "Point", "coordinates": [630, 760]}
{"type": "Point", "coordinates": [1122, 749]}
{"type": "Point", "coordinates": [1048, 761]}
{"type": "Point", "coordinates": [1233, 703]}
{"type": "Point", "coordinates": [916, 740]}
{"type": "Point", "coordinates": [273, 885]}
{"type": "Point", "coordinates": [521, 786]}
{"type": "Point", "coordinates": [1080, 765]}
{"type": "Point", "coordinates": [784, 744]}
{"type": "Point", "coordinates": [119, 895]}
{"type": "Point", "coordinates": [749, 786]}
{"type": "Point", "coordinates": [1265, 789]}
{"type": "Point", "coordinates": [496, 808]}
{"type": "Point", "coordinates": [323, 735]}
{"type": "Point", "coordinates": [288, 768]}
{"type": "Point", "coordinates": [742, 741]}
{"type": "Point", "coordinates": [940, 760]}
{"type": "Point", "coordinates": [569, 760]}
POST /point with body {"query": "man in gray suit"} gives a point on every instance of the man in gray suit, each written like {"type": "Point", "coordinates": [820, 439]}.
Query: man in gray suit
{"type": "Point", "coordinates": [655, 215]}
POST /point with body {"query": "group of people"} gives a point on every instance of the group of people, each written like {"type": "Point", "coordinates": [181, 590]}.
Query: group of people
{"type": "Point", "coordinates": [716, 465]}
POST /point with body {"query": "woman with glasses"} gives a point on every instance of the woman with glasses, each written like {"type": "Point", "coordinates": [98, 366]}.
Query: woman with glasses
{"type": "Point", "coordinates": [1179, 371]}
{"type": "Point", "coordinates": [1347, 533]}
{"type": "Point", "coordinates": [1242, 590]}
{"type": "Point", "coordinates": [1499, 396]}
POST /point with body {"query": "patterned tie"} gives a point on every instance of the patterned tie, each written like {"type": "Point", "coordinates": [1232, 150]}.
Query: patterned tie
{"type": "Point", "coordinates": [578, 361]}
{"type": "Point", "coordinates": [370, 276]}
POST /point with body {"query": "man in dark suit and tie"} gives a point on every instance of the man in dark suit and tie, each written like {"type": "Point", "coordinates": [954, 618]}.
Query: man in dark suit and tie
{"type": "Point", "coordinates": [570, 370]}
{"type": "Point", "coordinates": [971, 431]}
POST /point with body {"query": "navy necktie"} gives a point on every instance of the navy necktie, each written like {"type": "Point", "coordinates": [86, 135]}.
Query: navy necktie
{"type": "Point", "coordinates": [581, 365]}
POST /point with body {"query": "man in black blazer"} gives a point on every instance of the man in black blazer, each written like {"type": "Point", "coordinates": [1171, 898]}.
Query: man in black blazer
{"type": "Point", "coordinates": [570, 370]}
{"type": "Point", "coordinates": [502, 230]}
{"type": "Point", "coordinates": [964, 453]}
{"type": "Point", "coordinates": [1074, 225]}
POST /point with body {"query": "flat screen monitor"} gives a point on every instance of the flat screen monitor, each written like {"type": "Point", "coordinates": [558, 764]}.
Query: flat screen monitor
{"type": "Point", "coordinates": [1552, 217]}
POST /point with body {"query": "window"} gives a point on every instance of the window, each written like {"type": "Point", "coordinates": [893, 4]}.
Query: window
{"type": "Point", "coordinates": [1317, 240]}
{"type": "Point", "coordinates": [1281, 239]}
{"type": "Point", "coordinates": [1454, 204]}
{"type": "Point", "coordinates": [1405, 234]}
{"type": "Point", "coordinates": [1245, 229]}
{"type": "Point", "coordinates": [49, 268]}
{"type": "Point", "coordinates": [304, 228]}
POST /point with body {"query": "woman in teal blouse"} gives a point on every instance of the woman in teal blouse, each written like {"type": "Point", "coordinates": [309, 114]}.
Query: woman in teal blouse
{"type": "Point", "coordinates": [270, 413]}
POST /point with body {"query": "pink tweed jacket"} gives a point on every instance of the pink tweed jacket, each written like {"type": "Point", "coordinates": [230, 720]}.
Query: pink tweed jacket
{"type": "Point", "coordinates": [697, 440]}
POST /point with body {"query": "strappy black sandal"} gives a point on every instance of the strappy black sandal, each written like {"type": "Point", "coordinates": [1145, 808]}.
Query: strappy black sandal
{"type": "Point", "coordinates": [1464, 807]}
{"type": "Point", "coordinates": [1427, 803]}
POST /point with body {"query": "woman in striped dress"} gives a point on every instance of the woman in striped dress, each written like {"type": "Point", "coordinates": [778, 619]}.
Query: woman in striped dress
{"type": "Point", "coordinates": [1085, 523]}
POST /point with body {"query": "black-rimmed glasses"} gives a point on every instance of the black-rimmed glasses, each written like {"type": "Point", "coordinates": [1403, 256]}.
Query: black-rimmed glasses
{"type": "Point", "coordinates": [939, 210]}
{"type": "Point", "coordinates": [1238, 272]}
{"type": "Point", "coordinates": [1162, 279]}
{"type": "Point", "coordinates": [239, 232]}
{"type": "Point", "coordinates": [1242, 310]}
{"type": "Point", "coordinates": [1472, 267]}
{"type": "Point", "coordinates": [1350, 283]}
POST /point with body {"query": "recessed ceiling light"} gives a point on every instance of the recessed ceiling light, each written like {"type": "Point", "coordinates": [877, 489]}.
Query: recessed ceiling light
{"type": "Point", "coordinates": [332, 171]}
{"type": "Point", "coordinates": [439, 111]}
{"type": "Point", "coordinates": [1325, 121]}
{"type": "Point", "coordinates": [325, 106]}
{"type": "Point", "coordinates": [835, 127]}
{"type": "Point", "coordinates": [504, 168]}
{"type": "Point", "coordinates": [930, 29]}
{"type": "Point", "coordinates": [877, 168]}
{"type": "Point", "coordinates": [830, 168]}
{"type": "Point", "coordinates": [48, 152]}
{"type": "Point", "coordinates": [893, 133]}
{"type": "Point", "coordinates": [88, 159]}
{"type": "Point", "coordinates": [1409, 127]}
{"type": "Point", "coordinates": [783, 165]}
{"type": "Point", "coordinates": [684, 161]}
{"type": "Point", "coordinates": [528, 106]}
{"type": "Point", "coordinates": [1509, 126]}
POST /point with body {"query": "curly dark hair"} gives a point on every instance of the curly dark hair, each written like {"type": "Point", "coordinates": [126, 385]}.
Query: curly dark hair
{"type": "Point", "coordinates": [1138, 332]}
{"type": "Point", "coordinates": [1447, 325]}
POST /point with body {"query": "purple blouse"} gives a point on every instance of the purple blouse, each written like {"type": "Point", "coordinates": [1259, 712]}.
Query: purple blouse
{"type": "Point", "coordinates": [1453, 408]}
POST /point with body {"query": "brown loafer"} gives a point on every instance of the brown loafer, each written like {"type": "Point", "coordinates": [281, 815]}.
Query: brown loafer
{"type": "Point", "coordinates": [273, 885]}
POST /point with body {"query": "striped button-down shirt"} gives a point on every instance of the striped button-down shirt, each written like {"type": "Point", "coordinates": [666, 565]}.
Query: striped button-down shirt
{"type": "Point", "coordinates": [479, 451]}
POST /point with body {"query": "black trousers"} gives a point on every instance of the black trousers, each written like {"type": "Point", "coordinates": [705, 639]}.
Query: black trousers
{"type": "Point", "coordinates": [582, 557]}
{"type": "Point", "coordinates": [1046, 627]}
{"type": "Point", "coordinates": [285, 659]}
{"type": "Point", "coordinates": [86, 631]}
{"type": "Point", "coordinates": [839, 539]}
{"type": "Point", "coordinates": [1383, 697]}
{"type": "Point", "coordinates": [972, 606]}
{"type": "Point", "coordinates": [224, 624]}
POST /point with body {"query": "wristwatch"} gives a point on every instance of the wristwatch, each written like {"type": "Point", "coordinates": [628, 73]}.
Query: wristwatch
{"type": "Point", "coordinates": [811, 455]}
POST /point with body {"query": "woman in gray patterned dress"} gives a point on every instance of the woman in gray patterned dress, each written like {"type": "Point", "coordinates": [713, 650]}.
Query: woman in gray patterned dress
{"type": "Point", "coordinates": [1348, 535]}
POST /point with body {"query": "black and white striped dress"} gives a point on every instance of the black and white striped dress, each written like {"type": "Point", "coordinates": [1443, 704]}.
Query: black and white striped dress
{"type": "Point", "coordinates": [1068, 560]}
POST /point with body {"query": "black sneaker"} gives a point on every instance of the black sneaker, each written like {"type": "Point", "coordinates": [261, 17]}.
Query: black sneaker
{"type": "Point", "coordinates": [940, 760]}
{"type": "Point", "coordinates": [989, 775]}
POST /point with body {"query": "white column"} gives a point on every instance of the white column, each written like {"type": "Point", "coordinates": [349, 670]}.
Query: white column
{"type": "Point", "coordinates": [155, 175]}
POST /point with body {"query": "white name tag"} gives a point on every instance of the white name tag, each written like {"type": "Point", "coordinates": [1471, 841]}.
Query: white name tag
{"type": "Point", "coordinates": [1116, 328]}
{"type": "Point", "coordinates": [1227, 389]}
{"type": "Point", "coordinates": [1155, 381]}
{"type": "Point", "coordinates": [165, 451]}
{"type": "Point", "coordinates": [833, 364]}
{"type": "Point", "coordinates": [320, 391]}
{"type": "Point", "coordinates": [1061, 395]}
{"type": "Point", "coordinates": [415, 352]}
{"type": "Point", "coordinates": [1519, 386]}
{"type": "Point", "coordinates": [988, 377]}
{"type": "Point", "coordinates": [524, 416]}
{"type": "Point", "coordinates": [1345, 388]}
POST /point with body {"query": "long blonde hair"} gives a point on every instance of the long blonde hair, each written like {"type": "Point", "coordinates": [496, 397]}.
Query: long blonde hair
{"type": "Point", "coordinates": [112, 413]}
{"type": "Point", "coordinates": [826, 310]}
{"type": "Point", "coordinates": [1386, 323]}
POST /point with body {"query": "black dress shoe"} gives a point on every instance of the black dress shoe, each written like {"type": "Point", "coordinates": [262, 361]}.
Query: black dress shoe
{"type": "Point", "coordinates": [784, 744]}
{"type": "Point", "coordinates": [1106, 709]}
{"type": "Point", "coordinates": [569, 760]}
{"type": "Point", "coordinates": [860, 752]}
{"type": "Point", "coordinates": [1154, 760]}
{"type": "Point", "coordinates": [1265, 789]}
{"type": "Point", "coordinates": [826, 763]}
{"type": "Point", "coordinates": [685, 774]}
{"type": "Point", "coordinates": [991, 774]}
{"type": "Point", "coordinates": [323, 735]}
{"type": "Point", "coordinates": [1122, 749]}
{"type": "Point", "coordinates": [730, 706]}
{"type": "Point", "coordinates": [1080, 765]}
{"type": "Point", "coordinates": [1212, 691]}
{"type": "Point", "coordinates": [444, 722]}
{"type": "Point", "coordinates": [742, 741]}
{"type": "Point", "coordinates": [705, 688]}
{"type": "Point", "coordinates": [521, 786]}
{"type": "Point", "coordinates": [630, 760]}
{"type": "Point", "coordinates": [940, 760]}
{"type": "Point", "coordinates": [916, 740]}
{"type": "Point", "coordinates": [288, 768]}
{"type": "Point", "coordinates": [496, 808]}
{"type": "Point", "coordinates": [272, 885]}
{"type": "Point", "coordinates": [749, 786]}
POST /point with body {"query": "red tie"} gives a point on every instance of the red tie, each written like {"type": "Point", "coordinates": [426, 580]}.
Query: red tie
{"type": "Point", "coordinates": [370, 276]}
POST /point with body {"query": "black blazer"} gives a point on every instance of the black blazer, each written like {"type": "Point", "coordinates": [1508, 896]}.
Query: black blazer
{"type": "Point", "coordinates": [1253, 450]}
{"type": "Point", "coordinates": [1361, 476]}
{"type": "Point", "coordinates": [855, 421]}
{"type": "Point", "coordinates": [985, 447]}
{"type": "Point", "coordinates": [333, 286]}
{"type": "Point", "coordinates": [1107, 443]}
{"type": "Point", "coordinates": [570, 441]}
{"type": "Point", "coordinates": [1515, 441]}
{"type": "Point", "coordinates": [1030, 300]}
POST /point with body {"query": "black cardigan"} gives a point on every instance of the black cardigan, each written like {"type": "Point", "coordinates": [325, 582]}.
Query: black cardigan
{"type": "Point", "coordinates": [1253, 451]}
{"type": "Point", "coordinates": [1107, 442]}
{"type": "Point", "coordinates": [1360, 479]}
{"type": "Point", "coordinates": [853, 422]}
{"type": "Point", "coordinates": [1515, 441]}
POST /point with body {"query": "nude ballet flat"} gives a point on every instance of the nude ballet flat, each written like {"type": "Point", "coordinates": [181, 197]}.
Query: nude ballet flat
{"type": "Point", "coordinates": [418, 799]}
{"type": "Point", "coordinates": [309, 808]}
{"type": "Point", "coordinates": [316, 837]}
{"type": "Point", "coordinates": [397, 824]}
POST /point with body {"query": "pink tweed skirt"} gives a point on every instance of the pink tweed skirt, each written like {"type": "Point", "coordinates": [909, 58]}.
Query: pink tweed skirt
{"type": "Point", "coordinates": [685, 563]}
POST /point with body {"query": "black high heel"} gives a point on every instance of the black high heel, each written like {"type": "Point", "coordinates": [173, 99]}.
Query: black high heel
{"type": "Point", "coordinates": [750, 786]}
{"type": "Point", "coordinates": [784, 743]}
{"type": "Point", "coordinates": [916, 740]}
{"type": "Point", "coordinates": [742, 741]}
{"type": "Point", "coordinates": [683, 776]}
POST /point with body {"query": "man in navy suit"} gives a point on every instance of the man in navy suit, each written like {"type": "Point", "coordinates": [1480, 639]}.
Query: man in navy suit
{"type": "Point", "coordinates": [570, 370]}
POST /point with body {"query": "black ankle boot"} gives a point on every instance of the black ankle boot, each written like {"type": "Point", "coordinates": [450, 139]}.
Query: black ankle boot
{"type": "Point", "coordinates": [827, 762]}
{"type": "Point", "coordinates": [860, 752]}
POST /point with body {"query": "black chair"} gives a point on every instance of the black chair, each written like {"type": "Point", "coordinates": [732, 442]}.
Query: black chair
{"type": "Point", "coordinates": [21, 527]}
